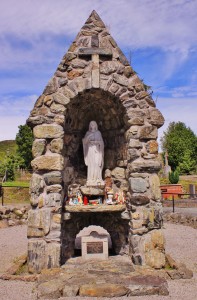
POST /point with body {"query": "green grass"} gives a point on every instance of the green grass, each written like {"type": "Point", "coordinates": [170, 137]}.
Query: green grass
{"type": "Point", "coordinates": [16, 183]}
{"type": "Point", "coordinates": [6, 148]}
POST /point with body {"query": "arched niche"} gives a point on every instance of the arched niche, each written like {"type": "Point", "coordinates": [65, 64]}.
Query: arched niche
{"type": "Point", "coordinates": [117, 228]}
{"type": "Point", "coordinates": [110, 115]}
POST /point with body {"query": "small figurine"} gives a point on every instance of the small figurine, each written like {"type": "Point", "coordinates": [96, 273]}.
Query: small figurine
{"type": "Point", "coordinates": [85, 200]}
{"type": "Point", "coordinates": [110, 195]}
{"type": "Point", "coordinates": [71, 201]}
{"type": "Point", "coordinates": [79, 197]}
{"type": "Point", "coordinates": [75, 201]}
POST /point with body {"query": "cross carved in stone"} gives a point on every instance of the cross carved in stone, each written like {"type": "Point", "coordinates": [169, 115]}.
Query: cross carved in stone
{"type": "Point", "coordinates": [94, 54]}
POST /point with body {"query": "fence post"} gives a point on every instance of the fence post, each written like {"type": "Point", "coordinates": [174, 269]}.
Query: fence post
{"type": "Point", "coordinates": [173, 203]}
{"type": "Point", "coordinates": [192, 190]}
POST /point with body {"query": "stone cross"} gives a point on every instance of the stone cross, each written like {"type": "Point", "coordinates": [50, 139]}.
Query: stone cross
{"type": "Point", "coordinates": [94, 54]}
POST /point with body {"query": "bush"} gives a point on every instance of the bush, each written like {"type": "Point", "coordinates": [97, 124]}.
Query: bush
{"type": "Point", "coordinates": [174, 177]}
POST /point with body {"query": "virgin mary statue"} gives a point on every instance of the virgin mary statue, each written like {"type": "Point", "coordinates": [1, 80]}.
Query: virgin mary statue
{"type": "Point", "coordinates": [93, 148]}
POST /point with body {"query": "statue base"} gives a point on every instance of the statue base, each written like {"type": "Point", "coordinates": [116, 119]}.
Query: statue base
{"type": "Point", "coordinates": [96, 184]}
{"type": "Point", "coordinates": [92, 190]}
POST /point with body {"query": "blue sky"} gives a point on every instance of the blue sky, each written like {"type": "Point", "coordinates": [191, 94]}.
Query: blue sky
{"type": "Point", "coordinates": [159, 34]}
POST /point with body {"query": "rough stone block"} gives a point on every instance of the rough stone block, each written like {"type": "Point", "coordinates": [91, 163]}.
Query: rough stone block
{"type": "Point", "coordinates": [58, 108]}
{"type": "Point", "coordinates": [61, 99]}
{"type": "Point", "coordinates": [148, 132]}
{"type": "Point", "coordinates": [53, 199]}
{"type": "Point", "coordinates": [53, 178]}
{"type": "Point", "coordinates": [135, 144]}
{"type": "Point", "coordinates": [70, 291]}
{"type": "Point", "coordinates": [103, 290]}
{"type": "Point", "coordinates": [120, 80]}
{"type": "Point", "coordinates": [118, 173]}
{"type": "Point", "coordinates": [138, 185]}
{"type": "Point", "coordinates": [36, 255]}
{"type": "Point", "coordinates": [49, 131]}
{"type": "Point", "coordinates": [38, 147]}
{"type": "Point", "coordinates": [56, 145]}
{"type": "Point", "coordinates": [53, 162]}
{"type": "Point", "coordinates": [152, 147]}
{"type": "Point", "coordinates": [141, 165]}
{"type": "Point", "coordinates": [155, 259]}
{"type": "Point", "coordinates": [156, 117]}
{"type": "Point", "coordinates": [55, 188]}
{"type": "Point", "coordinates": [139, 199]}
{"type": "Point", "coordinates": [52, 255]}
{"type": "Point", "coordinates": [155, 186]}
{"type": "Point", "coordinates": [51, 289]}
{"type": "Point", "coordinates": [39, 221]}
{"type": "Point", "coordinates": [36, 184]}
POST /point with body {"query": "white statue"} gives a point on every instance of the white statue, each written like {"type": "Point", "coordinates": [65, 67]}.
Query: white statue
{"type": "Point", "coordinates": [93, 148]}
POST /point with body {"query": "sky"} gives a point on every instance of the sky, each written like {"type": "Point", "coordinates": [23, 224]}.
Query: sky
{"type": "Point", "coordinates": [158, 35]}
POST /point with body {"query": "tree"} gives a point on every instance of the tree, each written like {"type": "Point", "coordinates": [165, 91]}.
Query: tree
{"type": "Point", "coordinates": [181, 144]}
{"type": "Point", "coordinates": [24, 140]}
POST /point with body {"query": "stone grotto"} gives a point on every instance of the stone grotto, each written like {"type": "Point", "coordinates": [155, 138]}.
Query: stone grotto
{"type": "Point", "coordinates": [94, 82]}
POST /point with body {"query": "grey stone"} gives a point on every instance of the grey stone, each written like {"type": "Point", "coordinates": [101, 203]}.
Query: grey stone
{"type": "Point", "coordinates": [148, 132]}
{"type": "Point", "coordinates": [53, 199]}
{"type": "Point", "coordinates": [53, 178]}
{"type": "Point", "coordinates": [78, 63]}
{"type": "Point", "coordinates": [53, 162]}
{"type": "Point", "coordinates": [139, 200]}
{"type": "Point", "coordinates": [48, 131]}
{"type": "Point", "coordinates": [36, 255]}
{"type": "Point", "coordinates": [56, 145]}
{"type": "Point", "coordinates": [92, 190]}
{"type": "Point", "coordinates": [62, 81]}
{"type": "Point", "coordinates": [58, 108]}
{"type": "Point", "coordinates": [156, 117]}
{"type": "Point", "coordinates": [39, 221]}
{"type": "Point", "coordinates": [120, 79]}
{"type": "Point", "coordinates": [138, 185]}
{"type": "Point", "coordinates": [36, 184]}
{"type": "Point", "coordinates": [52, 289]}
{"type": "Point", "coordinates": [155, 186]}
{"type": "Point", "coordinates": [135, 144]}
{"type": "Point", "coordinates": [51, 87]}
{"type": "Point", "coordinates": [95, 41]}
{"type": "Point", "coordinates": [55, 188]}
{"type": "Point", "coordinates": [90, 51]}
{"type": "Point", "coordinates": [38, 147]}
{"type": "Point", "coordinates": [141, 165]}
{"type": "Point", "coordinates": [60, 98]}
{"type": "Point", "coordinates": [118, 173]}
{"type": "Point", "coordinates": [70, 291]}
{"type": "Point", "coordinates": [132, 154]}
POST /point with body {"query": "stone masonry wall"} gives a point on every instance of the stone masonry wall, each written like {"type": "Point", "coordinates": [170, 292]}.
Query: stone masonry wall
{"type": "Point", "coordinates": [94, 69]}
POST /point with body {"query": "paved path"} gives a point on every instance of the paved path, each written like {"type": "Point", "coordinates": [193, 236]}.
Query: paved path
{"type": "Point", "coordinates": [192, 211]}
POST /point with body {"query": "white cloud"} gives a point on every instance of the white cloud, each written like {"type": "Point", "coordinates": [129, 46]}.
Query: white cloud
{"type": "Point", "coordinates": [14, 112]}
{"type": "Point", "coordinates": [178, 109]}
{"type": "Point", "coordinates": [138, 23]}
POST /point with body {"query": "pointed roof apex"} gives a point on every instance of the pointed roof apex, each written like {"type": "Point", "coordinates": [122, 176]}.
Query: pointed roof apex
{"type": "Point", "coordinates": [95, 18]}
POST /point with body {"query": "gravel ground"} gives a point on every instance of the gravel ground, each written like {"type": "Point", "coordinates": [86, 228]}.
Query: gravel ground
{"type": "Point", "coordinates": [181, 243]}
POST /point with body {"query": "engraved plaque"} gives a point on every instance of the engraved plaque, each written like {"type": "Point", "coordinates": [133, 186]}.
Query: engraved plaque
{"type": "Point", "coordinates": [94, 247]}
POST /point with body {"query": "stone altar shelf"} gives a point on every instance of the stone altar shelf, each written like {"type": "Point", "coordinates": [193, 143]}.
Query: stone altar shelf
{"type": "Point", "coordinates": [95, 208]}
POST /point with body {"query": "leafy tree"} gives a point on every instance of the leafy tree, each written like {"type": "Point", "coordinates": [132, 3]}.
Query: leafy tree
{"type": "Point", "coordinates": [181, 144]}
{"type": "Point", "coordinates": [24, 140]}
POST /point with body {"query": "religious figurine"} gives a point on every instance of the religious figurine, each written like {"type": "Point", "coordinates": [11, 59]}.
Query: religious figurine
{"type": "Point", "coordinates": [79, 197]}
{"type": "Point", "coordinates": [110, 195]}
{"type": "Point", "coordinates": [93, 147]}
{"type": "Point", "coordinates": [85, 200]}
{"type": "Point", "coordinates": [71, 201]}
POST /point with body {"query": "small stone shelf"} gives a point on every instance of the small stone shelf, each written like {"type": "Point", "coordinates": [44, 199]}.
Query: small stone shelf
{"type": "Point", "coordinates": [95, 208]}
